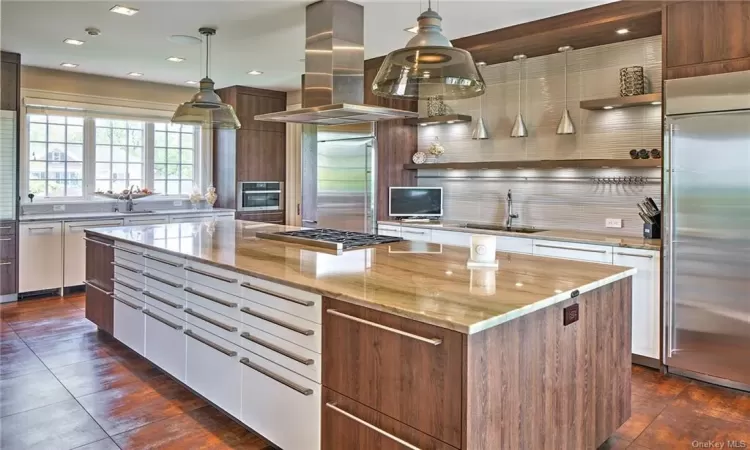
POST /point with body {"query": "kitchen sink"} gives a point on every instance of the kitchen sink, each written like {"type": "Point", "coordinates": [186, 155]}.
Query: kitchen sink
{"type": "Point", "coordinates": [484, 226]}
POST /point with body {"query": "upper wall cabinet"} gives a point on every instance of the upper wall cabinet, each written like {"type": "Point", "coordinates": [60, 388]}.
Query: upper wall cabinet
{"type": "Point", "coordinates": [9, 87]}
{"type": "Point", "coordinates": [707, 37]}
{"type": "Point", "coordinates": [249, 105]}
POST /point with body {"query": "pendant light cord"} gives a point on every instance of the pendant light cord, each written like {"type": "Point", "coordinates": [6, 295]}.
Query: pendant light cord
{"type": "Point", "coordinates": [566, 79]}
{"type": "Point", "coordinates": [520, 66]}
{"type": "Point", "coordinates": [208, 52]}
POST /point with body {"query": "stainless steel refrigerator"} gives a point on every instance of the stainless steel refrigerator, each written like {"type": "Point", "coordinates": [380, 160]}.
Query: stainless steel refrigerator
{"type": "Point", "coordinates": [338, 177]}
{"type": "Point", "coordinates": [707, 228]}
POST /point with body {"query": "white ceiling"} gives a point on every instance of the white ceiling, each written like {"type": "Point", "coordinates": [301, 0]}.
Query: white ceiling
{"type": "Point", "coordinates": [252, 34]}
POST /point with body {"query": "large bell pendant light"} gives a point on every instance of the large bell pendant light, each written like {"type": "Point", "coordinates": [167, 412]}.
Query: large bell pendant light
{"type": "Point", "coordinates": [480, 130]}
{"type": "Point", "coordinates": [519, 127]}
{"type": "Point", "coordinates": [429, 65]}
{"type": "Point", "coordinates": [566, 125]}
{"type": "Point", "coordinates": [206, 108]}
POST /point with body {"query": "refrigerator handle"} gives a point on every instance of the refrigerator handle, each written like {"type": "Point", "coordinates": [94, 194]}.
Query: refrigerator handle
{"type": "Point", "coordinates": [668, 257]}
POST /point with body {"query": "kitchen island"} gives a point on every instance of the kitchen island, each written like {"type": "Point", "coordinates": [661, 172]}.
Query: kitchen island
{"type": "Point", "coordinates": [388, 347]}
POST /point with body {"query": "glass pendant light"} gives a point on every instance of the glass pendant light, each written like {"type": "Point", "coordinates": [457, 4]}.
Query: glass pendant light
{"type": "Point", "coordinates": [566, 125]}
{"type": "Point", "coordinates": [519, 127]}
{"type": "Point", "coordinates": [429, 65]}
{"type": "Point", "coordinates": [206, 107]}
{"type": "Point", "coordinates": [480, 130]}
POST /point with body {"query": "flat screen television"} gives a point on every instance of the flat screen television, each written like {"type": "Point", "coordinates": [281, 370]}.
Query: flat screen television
{"type": "Point", "coordinates": [415, 201]}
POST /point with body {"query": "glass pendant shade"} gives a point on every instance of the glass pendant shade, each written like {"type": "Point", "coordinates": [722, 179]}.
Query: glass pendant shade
{"type": "Point", "coordinates": [206, 108]}
{"type": "Point", "coordinates": [429, 65]}
{"type": "Point", "coordinates": [480, 130]}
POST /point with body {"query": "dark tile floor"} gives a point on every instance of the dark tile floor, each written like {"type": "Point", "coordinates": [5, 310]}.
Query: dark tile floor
{"type": "Point", "coordinates": [63, 385]}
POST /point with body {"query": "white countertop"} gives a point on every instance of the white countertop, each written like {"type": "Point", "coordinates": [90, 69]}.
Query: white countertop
{"type": "Point", "coordinates": [67, 217]}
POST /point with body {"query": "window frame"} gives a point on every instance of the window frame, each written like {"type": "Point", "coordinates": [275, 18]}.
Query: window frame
{"type": "Point", "coordinates": [201, 149]}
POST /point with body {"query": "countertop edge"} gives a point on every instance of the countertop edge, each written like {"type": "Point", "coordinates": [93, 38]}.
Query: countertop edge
{"type": "Point", "coordinates": [71, 217]}
{"type": "Point", "coordinates": [472, 329]}
{"type": "Point", "coordinates": [539, 235]}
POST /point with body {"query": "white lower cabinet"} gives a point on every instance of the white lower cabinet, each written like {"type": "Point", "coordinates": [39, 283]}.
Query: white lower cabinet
{"type": "Point", "coordinates": [282, 406]}
{"type": "Point", "coordinates": [645, 298]}
{"type": "Point", "coordinates": [74, 267]}
{"type": "Point", "coordinates": [389, 230]}
{"type": "Point", "coordinates": [40, 256]}
{"type": "Point", "coordinates": [515, 245]}
{"type": "Point", "coordinates": [198, 217]}
{"type": "Point", "coordinates": [129, 322]}
{"type": "Point", "coordinates": [570, 250]}
{"type": "Point", "coordinates": [165, 342]}
{"type": "Point", "coordinates": [148, 220]}
{"type": "Point", "coordinates": [451, 238]}
{"type": "Point", "coordinates": [213, 370]}
{"type": "Point", "coordinates": [416, 234]}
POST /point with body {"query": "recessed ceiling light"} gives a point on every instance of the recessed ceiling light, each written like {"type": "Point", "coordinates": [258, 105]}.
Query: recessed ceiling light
{"type": "Point", "coordinates": [124, 10]}
{"type": "Point", "coordinates": [656, 103]}
{"type": "Point", "coordinates": [175, 59]}
{"type": "Point", "coordinates": [414, 29]}
{"type": "Point", "coordinates": [608, 107]}
{"type": "Point", "coordinates": [73, 41]}
{"type": "Point", "coordinates": [623, 31]}
{"type": "Point", "coordinates": [255, 72]}
{"type": "Point", "coordinates": [135, 74]}
{"type": "Point", "coordinates": [191, 82]}
{"type": "Point", "coordinates": [69, 65]}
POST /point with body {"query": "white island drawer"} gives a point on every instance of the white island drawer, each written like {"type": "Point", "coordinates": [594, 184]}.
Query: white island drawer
{"type": "Point", "coordinates": [213, 277]}
{"type": "Point", "coordinates": [213, 322]}
{"type": "Point", "coordinates": [515, 245]}
{"type": "Point", "coordinates": [164, 282]}
{"type": "Point", "coordinates": [389, 230]}
{"type": "Point", "coordinates": [219, 302]}
{"type": "Point", "coordinates": [451, 238]}
{"type": "Point", "coordinates": [129, 327]}
{"type": "Point", "coordinates": [212, 369]}
{"type": "Point", "coordinates": [286, 326]}
{"type": "Point", "coordinates": [416, 234]}
{"type": "Point", "coordinates": [279, 404]}
{"type": "Point", "coordinates": [129, 253]}
{"type": "Point", "coordinates": [165, 342]}
{"type": "Point", "coordinates": [169, 264]}
{"type": "Point", "coordinates": [284, 353]}
{"type": "Point", "coordinates": [284, 298]}
{"type": "Point", "coordinates": [569, 250]}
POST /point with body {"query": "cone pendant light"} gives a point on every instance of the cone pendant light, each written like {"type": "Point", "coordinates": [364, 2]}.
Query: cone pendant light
{"type": "Point", "coordinates": [519, 127]}
{"type": "Point", "coordinates": [206, 108]}
{"type": "Point", "coordinates": [566, 125]}
{"type": "Point", "coordinates": [480, 130]}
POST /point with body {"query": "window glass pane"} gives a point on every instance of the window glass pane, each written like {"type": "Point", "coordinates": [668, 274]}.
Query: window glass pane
{"type": "Point", "coordinates": [37, 187]}
{"type": "Point", "coordinates": [160, 155]}
{"type": "Point", "coordinates": [187, 156]}
{"type": "Point", "coordinates": [160, 139]}
{"type": "Point", "coordinates": [75, 120]}
{"type": "Point", "coordinates": [55, 188]}
{"type": "Point", "coordinates": [173, 172]}
{"type": "Point", "coordinates": [119, 153]}
{"type": "Point", "coordinates": [160, 171]}
{"type": "Point", "coordinates": [173, 140]}
{"type": "Point", "coordinates": [37, 132]}
{"type": "Point", "coordinates": [160, 126]}
{"type": "Point", "coordinates": [103, 153]}
{"type": "Point", "coordinates": [173, 156]}
{"type": "Point", "coordinates": [37, 118]}
{"type": "Point", "coordinates": [103, 122]}
{"type": "Point", "coordinates": [174, 127]}
{"type": "Point", "coordinates": [75, 134]}
{"type": "Point", "coordinates": [103, 135]}
{"type": "Point", "coordinates": [38, 170]}
{"type": "Point", "coordinates": [37, 151]}
{"type": "Point", "coordinates": [187, 172]}
{"type": "Point", "coordinates": [56, 133]}
{"type": "Point", "coordinates": [103, 171]}
{"type": "Point", "coordinates": [56, 152]}
{"type": "Point", "coordinates": [120, 172]}
{"type": "Point", "coordinates": [186, 187]}
{"type": "Point", "coordinates": [56, 119]}
{"type": "Point", "coordinates": [119, 136]}
{"type": "Point", "coordinates": [119, 186]}
{"type": "Point", "coordinates": [187, 140]}
{"type": "Point", "coordinates": [75, 152]}
{"type": "Point", "coordinates": [173, 187]}
{"type": "Point", "coordinates": [137, 182]}
{"type": "Point", "coordinates": [74, 171]}
{"type": "Point", "coordinates": [135, 171]}
{"type": "Point", "coordinates": [74, 188]}
{"type": "Point", "coordinates": [102, 185]}
{"type": "Point", "coordinates": [135, 154]}
{"type": "Point", "coordinates": [135, 137]}
{"type": "Point", "coordinates": [119, 123]}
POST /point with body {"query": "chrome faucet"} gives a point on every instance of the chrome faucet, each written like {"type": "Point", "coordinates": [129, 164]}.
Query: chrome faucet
{"type": "Point", "coordinates": [509, 211]}
{"type": "Point", "coordinates": [129, 201]}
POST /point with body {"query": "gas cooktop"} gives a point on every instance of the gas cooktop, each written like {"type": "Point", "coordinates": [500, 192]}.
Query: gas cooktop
{"type": "Point", "coordinates": [327, 238]}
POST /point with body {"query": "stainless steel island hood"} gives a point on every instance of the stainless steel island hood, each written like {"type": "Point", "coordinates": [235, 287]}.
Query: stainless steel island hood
{"type": "Point", "coordinates": [333, 85]}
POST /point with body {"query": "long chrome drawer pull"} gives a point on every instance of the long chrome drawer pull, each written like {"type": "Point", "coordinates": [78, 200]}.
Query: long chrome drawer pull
{"type": "Point", "coordinates": [268, 345]}
{"type": "Point", "coordinates": [433, 341]}
{"type": "Point", "coordinates": [6, 239]}
{"type": "Point", "coordinates": [164, 321]}
{"type": "Point", "coordinates": [162, 280]}
{"type": "Point", "coordinates": [129, 286]}
{"type": "Point", "coordinates": [163, 300]}
{"type": "Point", "coordinates": [127, 303]}
{"type": "Point", "coordinates": [273, 376]}
{"type": "Point", "coordinates": [278, 322]}
{"type": "Point", "coordinates": [371, 426]}
{"type": "Point", "coordinates": [211, 298]}
{"type": "Point", "coordinates": [5, 228]}
{"type": "Point", "coordinates": [634, 254]}
{"type": "Point", "coordinates": [163, 261]}
{"type": "Point", "coordinates": [122, 249]}
{"type": "Point", "coordinates": [211, 275]}
{"type": "Point", "coordinates": [123, 266]}
{"type": "Point", "coordinates": [413, 232]}
{"type": "Point", "coordinates": [571, 248]}
{"type": "Point", "coordinates": [97, 242]}
{"type": "Point", "coordinates": [217, 347]}
{"type": "Point", "coordinates": [41, 228]}
{"type": "Point", "coordinates": [281, 296]}
{"type": "Point", "coordinates": [94, 225]}
{"type": "Point", "coordinates": [92, 285]}
{"type": "Point", "coordinates": [211, 321]}
{"type": "Point", "coordinates": [5, 263]}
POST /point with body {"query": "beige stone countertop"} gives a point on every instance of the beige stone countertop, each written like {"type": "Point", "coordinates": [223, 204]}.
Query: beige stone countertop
{"type": "Point", "coordinates": [583, 237]}
{"type": "Point", "coordinates": [67, 217]}
{"type": "Point", "coordinates": [426, 282]}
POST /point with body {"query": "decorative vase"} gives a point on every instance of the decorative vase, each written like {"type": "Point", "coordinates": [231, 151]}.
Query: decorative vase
{"type": "Point", "coordinates": [632, 81]}
{"type": "Point", "coordinates": [196, 197]}
{"type": "Point", "coordinates": [211, 196]}
{"type": "Point", "coordinates": [436, 149]}
{"type": "Point", "coordinates": [436, 106]}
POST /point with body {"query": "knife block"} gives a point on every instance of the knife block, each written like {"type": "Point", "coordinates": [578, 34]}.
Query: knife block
{"type": "Point", "coordinates": [653, 230]}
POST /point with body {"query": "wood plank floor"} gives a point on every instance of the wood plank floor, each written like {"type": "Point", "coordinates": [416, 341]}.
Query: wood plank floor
{"type": "Point", "coordinates": [64, 385]}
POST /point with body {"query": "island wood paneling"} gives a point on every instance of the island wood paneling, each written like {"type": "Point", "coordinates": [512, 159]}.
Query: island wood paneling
{"type": "Point", "coordinates": [557, 387]}
{"type": "Point", "coordinates": [340, 432]}
{"type": "Point", "coordinates": [10, 100]}
{"type": "Point", "coordinates": [255, 152]}
{"type": "Point", "coordinates": [99, 271]}
{"type": "Point", "coordinates": [414, 382]}
{"type": "Point", "coordinates": [706, 37]}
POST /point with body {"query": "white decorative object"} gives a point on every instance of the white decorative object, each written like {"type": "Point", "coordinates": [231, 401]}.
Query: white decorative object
{"type": "Point", "coordinates": [482, 281]}
{"type": "Point", "coordinates": [436, 148]}
{"type": "Point", "coordinates": [419, 157]}
{"type": "Point", "coordinates": [196, 197]}
{"type": "Point", "coordinates": [211, 196]}
{"type": "Point", "coordinates": [483, 250]}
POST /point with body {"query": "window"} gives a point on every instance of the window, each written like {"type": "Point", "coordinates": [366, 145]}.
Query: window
{"type": "Point", "coordinates": [75, 156]}
{"type": "Point", "coordinates": [174, 158]}
{"type": "Point", "coordinates": [55, 156]}
{"type": "Point", "coordinates": [119, 154]}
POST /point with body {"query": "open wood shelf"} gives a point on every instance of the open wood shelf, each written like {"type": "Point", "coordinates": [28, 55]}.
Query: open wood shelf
{"type": "Point", "coordinates": [622, 102]}
{"type": "Point", "coordinates": [439, 120]}
{"type": "Point", "coordinates": [545, 164]}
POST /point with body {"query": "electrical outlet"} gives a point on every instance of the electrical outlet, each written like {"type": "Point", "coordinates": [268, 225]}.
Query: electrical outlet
{"type": "Point", "coordinates": [177, 203]}
{"type": "Point", "coordinates": [613, 223]}
{"type": "Point", "coordinates": [58, 208]}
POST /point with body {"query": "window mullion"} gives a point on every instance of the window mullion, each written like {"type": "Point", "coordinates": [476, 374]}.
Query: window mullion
{"type": "Point", "coordinates": [89, 158]}
{"type": "Point", "coordinates": [148, 156]}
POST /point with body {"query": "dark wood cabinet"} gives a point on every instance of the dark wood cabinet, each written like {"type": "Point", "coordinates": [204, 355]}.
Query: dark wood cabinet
{"type": "Point", "coordinates": [8, 276]}
{"type": "Point", "coordinates": [261, 156]}
{"type": "Point", "coordinates": [706, 37]}
{"type": "Point", "coordinates": [275, 217]}
{"type": "Point", "coordinates": [99, 273]}
{"type": "Point", "coordinates": [9, 82]}
{"type": "Point", "coordinates": [392, 370]}
{"type": "Point", "coordinates": [253, 102]}
{"type": "Point", "coordinates": [343, 428]}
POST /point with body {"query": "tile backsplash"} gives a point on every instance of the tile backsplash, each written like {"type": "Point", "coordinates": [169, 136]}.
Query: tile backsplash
{"type": "Point", "coordinates": [544, 200]}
